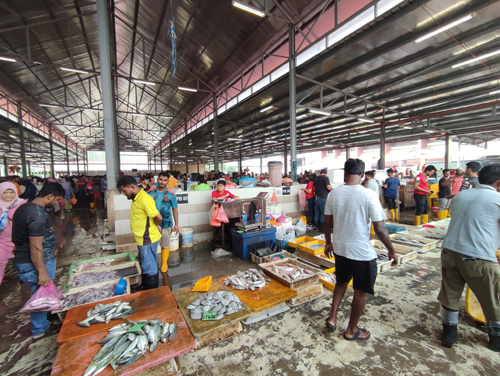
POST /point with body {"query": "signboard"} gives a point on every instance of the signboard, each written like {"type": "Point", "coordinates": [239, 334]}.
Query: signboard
{"type": "Point", "coordinates": [182, 198]}
{"type": "Point", "coordinates": [286, 191]}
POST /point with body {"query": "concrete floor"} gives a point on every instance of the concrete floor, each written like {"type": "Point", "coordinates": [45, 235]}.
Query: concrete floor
{"type": "Point", "coordinates": [403, 318]}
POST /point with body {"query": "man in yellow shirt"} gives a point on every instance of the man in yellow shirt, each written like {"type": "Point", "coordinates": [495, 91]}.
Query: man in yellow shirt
{"type": "Point", "coordinates": [144, 221]}
{"type": "Point", "coordinates": [172, 182]}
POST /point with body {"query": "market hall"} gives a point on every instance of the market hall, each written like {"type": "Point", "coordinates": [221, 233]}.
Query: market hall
{"type": "Point", "coordinates": [265, 187]}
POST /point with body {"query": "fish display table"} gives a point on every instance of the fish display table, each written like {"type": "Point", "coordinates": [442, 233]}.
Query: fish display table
{"type": "Point", "coordinates": [74, 357]}
{"type": "Point", "coordinates": [208, 333]}
{"type": "Point", "coordinates": [422, 244]}
{"type": "Point", "coordinates": [269, 301]}
{"type": "Point", "coordinates": [148, 302]}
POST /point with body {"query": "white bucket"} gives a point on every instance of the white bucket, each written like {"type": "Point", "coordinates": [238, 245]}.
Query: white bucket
{"type": "Point", "coordinates": [275, 173]}
{"type": "Point", "coordinates": [174, 242]}
{"type": "Point", "coordinates": [186, 237]}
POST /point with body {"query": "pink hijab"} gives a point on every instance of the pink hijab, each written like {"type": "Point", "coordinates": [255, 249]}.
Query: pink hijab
{"type": "Point", "coordinates": [7, 205]}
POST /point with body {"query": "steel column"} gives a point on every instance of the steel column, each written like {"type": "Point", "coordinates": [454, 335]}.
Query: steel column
{"type": "Point", "coordinates": [186, 141]}
{"type": "Point", "coordinates": [21, 139]}
{"type": "Point", "coordinates": [5, 166]}
{"type": "Point", "coordinates": [347, 153]}
{"type": "Point", "coordinates": [77, 161]}
{"type": "Point", "coordinates": [108, 100]}
{"type": "Point", "coordinates": [240, 163]}
{"type": "Point", "coordinates": [161, 158]}
{"type": "Point", "coordinates": [293, 122]}
{"type": "Point", "coordinates": [51, 143]}
{"type": "Point", "coordinates": [171, 164]}
{"type": "Point", "coordinates": [286, 159]}
{"type": "Point", "coordinates": [261, 165]}
{"type": "Point", "coordinates": [382, 148]}
{"type": "Point", "coordinates": [67, 155]}
{"type": "Point", "coordinates": [216, 131]}
{"type": "Point", "coordinates": [447, 151]}
{"type": "Point", "coordinates": [29, 168]}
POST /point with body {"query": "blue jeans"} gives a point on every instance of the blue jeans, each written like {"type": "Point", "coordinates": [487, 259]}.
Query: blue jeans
{"type": "Point", "coordinates": [148, 255]}
{"type": "Point", "coordinates": [311, 203]}
{"type": "Point", "coordinates": [29, 276]}
{"type": "Point", "coordinates": [319, 213]}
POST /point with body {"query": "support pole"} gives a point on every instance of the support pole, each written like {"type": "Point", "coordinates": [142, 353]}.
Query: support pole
{"type": "Point", "coordinates": [240, 163]}
{"type": "Point", "coordinates": [261, 165]}
{"type": "Point", "coordinates": [108, 100]}
{"type": "Point", "coordinates": [216, 136]}
{"type": "Point", "coordinates": [161, 158]}
{"type": "Point", "coordinates": [44, 171]}
{"type": "Point", "coordinates": [21, 139]}
{"type": "Point", "coordinates": [77, 161]}
{"type": "Point", "coordinates": [447, 151]}
{"type": "Point", "coordinates": [29, 168]}
{"type": "Point", "coordinates": [286, 160]}
{"type": "Point", "coordinates": [51, 144]}
{"type": "Point", "coordinates": [186, 146]}
{"type": "Point", "coordinates": [347, 153]}
{"type": "Point", "coordinates": [293, 122]}
{"type": "Point", "coordinates": [155, 163]}
{"type": "Point", "coordinates": [67, 155]}
{"type": "Point", "coordinates": [5, 166]}
{"type": "Point", "coordinates": [382, 148]}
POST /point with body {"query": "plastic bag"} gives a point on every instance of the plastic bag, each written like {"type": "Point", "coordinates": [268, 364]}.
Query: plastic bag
{"type": "Point", "coordinates": [221, 215]}
{"type": "Point", "coordinates": [214, 221]}
{"type": "Point", "coordinates": [230, 185]}
{"type": "Point", "coordinates": [46, 298]}
{"type": "Point", "coordinates": [219, 252]}
{"type": "Point", "coordinates": [73, 200]}
{"type": "Point", "coordinates": [275, 198]}
{"type": "Point", "coordinates": [302, 199]}
{"type": "Point", "coordinates": [211, 211]}
{"type": "Point", "coordinates": [300, 228]}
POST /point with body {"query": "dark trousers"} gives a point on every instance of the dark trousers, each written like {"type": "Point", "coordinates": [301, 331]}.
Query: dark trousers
{"type": "Point", "coordinates": [421, 204]}
{"type": "Point", "coordinates": [311, 203]}
{"type": "Point", "coordinates": [391, 203]}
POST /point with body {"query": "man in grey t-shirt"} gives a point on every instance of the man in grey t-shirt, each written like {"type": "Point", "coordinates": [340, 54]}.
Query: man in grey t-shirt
{"type": "Point", "coordinates": [353, 209]}
{"type": "Point", "coordinates": [468, 256]}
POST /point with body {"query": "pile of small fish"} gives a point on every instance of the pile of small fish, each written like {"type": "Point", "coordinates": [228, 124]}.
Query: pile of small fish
{"type": "Point", "coordinates": [91, 278]}
{"type": "Point", "coordinates": [94, 264]}
{"type": "Point", "coordinates": [128, 342]}
{"type": "Point", "coordinates": [382, 258]}
{"type": "Point", "coordinates": [223, 302]}
{"type": "Point", "coordinates": [410, 241]}
{"type": "Point", "coordinates": [290, 272]}
{"type": "Point", "coordinates": [316, 246]}
{"type": "Point", "coordinates": [435, 237]}
{"type": "Point", "coordinates": [89, 296]}
{"type": "Point", "coordinates": [329, 277]}
{"type": "Point", "coordinates": [107, 312]}
{"type": "Point", "coordinates": [249, 280]}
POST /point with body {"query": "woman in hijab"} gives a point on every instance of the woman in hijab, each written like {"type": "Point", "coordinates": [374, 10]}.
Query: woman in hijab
{"type": "Point", "coordinates": [9, 202]}
{"type": "Point", "coordinates": [68, 194]}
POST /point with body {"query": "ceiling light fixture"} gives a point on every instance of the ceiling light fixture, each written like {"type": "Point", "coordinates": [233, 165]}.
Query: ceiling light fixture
{"type": "Point", "coordinates": [248, 8]}
{"type": "Point", "coordinates": [187, 89]}
{"type": "Point", "coordinates": [144, 82]}
{"type": "Point", "coordinates": [444, 28]}
{"type": "Point", "coordinates": [301, 116]}
{"type": "Point", "coordinates": [476, 59]}
{"type": "Point", "coordinates": [166, 117]}
{"type": "Point", "coordinates": [266, 108]}
{"type": "Point", "coordinates": [234, 139]}
{"type": "Point", "coordinates": [8, 59]}
{"type": "Point", "coordinates": [74, 70]}
{"type": "Point", "coordinates": [143, 115]}
{"type": "Point", "coordinates": [366, 120]}
{"type": "Point", "coordinates": [319, 112]}
{"type": "Point", "coordinates": [495, 92]}
{"type": "Point", "coordinates": [271, 142]}
{"type": "Point", "coordinates": [430, 131]}
{"type": "Point", "coordinates": [48, 105]}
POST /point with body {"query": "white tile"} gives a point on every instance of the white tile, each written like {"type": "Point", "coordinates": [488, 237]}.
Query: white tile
{"type": "Point", "coordinates": [122, 227]}
{"type": "Point", "coordinates": [196, 219]}
{"type": "Point", "coordinates": [197, 238]}
{"type": "Point", "coordinates": [184, 220]}
{"type": "Point", "coordinates": [121, 202]}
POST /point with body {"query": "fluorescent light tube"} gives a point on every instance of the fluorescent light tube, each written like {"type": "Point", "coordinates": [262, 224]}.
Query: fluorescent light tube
{"type": "Point", "coordinates": [445, 27]}
{"type": "Point", "coordinates": [234, 139]}
{"type": "Point", "coordinates": [48, 105]}
{"type": "Point", "coordinates": [430, 131]}
{"type": "Point", "coordinates": [8, 59]}
{"type": "Point", "coordinates": [320, 112]}
{"type": "Point", "coordinates": [301, 116]}
{"type": "Point", "coordinates": [248, 8]}
{"type": "Point", "coordinates": [166, 117]}
{"type": "Point", "coordinates": [187, 89]}
{"type": "Point", "coordinates": [366, 120]}
{"type": "Point", "coordinates": [495, 92]}
{"type": "Point", "coordinates": [74, 70]}
{"type": "Point", "coordinates": [266, 108]}
{"type": "Point", "coordinates": [144, 82]}
{"type": "Point", "coordinates": [139, 114]}
{"type": "Point", "coordinates": [270, 142]}
{"type": "Point", "coordinates": [199, 150]}
{"type": "Point", "coordinates": [476, 59]}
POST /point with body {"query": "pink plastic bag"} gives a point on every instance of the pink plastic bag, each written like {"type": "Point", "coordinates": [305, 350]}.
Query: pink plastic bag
{"type": "Point", "coordinates": [46, 298]}
{"type": "Point", "coordinates": [221, 215]}
{"type": "Point", "coordinates": [302, 199]}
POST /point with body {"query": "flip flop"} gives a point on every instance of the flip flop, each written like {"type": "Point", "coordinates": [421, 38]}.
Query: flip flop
{"type": "Point", "coordinates": [356, 336]}
{"type": "Point", "coordinates": [51, 330]}
{"type": "Point", "coordinates": [330, 326]}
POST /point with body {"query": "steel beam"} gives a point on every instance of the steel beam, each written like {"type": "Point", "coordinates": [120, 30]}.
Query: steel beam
{"type": "Point", "coordinates": [51, 143]}
{"type": "Point", "coordinates": [21, 139]}
{"type": "Point", "coordinates": [67, 155]}
{"type": "Point", "coordinates": [108, 100]}
{"type": "Point", "coordinates": [382, 148]}
{"type": "Point", "coordinates": [216, 135]}
{"type": "Point", "coordinates": [447, 151]}
{"type": "Point", "coordinates": [186, 147]}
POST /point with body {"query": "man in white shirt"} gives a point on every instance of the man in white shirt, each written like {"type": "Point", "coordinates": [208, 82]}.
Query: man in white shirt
{"type": "Point", "coordinates": [351, 209]}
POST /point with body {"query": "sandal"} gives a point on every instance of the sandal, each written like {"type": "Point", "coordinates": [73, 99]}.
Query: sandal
{"type": "Point", "coordinates": [51, 330]}
{"type": "Point", "coordinates": [356, 336]}
{"type": "Point", "coordinates": [330, 326]}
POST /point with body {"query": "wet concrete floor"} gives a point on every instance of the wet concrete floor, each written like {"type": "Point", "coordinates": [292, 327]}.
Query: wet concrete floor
{"type": "Point", "coordinates": [403, 317]}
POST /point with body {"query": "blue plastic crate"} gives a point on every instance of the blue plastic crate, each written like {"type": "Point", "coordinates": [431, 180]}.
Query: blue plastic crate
{"type": "Point", "coordinates": [242, 243]}
{"type": "Point", "coordinates": [392, 229]}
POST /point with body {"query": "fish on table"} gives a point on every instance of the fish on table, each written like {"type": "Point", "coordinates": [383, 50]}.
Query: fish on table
{"type": "Point", "coordinates": [248, 280]}
{"type": "Point", "coordinates": [289, 271]}
{"type": "Point", "coordinates": [224, 303]}
{"type": "Point", "coordinates": [107, 312]}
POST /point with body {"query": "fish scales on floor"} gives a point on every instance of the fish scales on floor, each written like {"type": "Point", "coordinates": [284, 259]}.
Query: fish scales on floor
{"type": "Point", "coordinates": [92, 278]}
{"type": "Point", "coordinates": [223, 302]}
{"type": "Point", "coordinates": [107, 312]}
{"type": "Point", "coordinates": [290, 272]}
{"type": "Point", "coordinates": [128, 342]}
{"type": "Point", "coordinates": [248, 280]}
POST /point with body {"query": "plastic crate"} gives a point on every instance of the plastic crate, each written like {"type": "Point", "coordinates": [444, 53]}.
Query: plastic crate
{"type": "Point", "coordinates": [242, 243]}
{"type": "Point", "coordinates": [295, 243]}
{"type": "Point", "coordinates": [329, 285]}
{"type": "Point", "coordinates": [392, 229]}
{"type": "Point", "coordinates": [305, 247]}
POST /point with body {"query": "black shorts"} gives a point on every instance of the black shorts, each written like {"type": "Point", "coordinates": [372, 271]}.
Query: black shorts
{"type": "Point", "coordinates": [363, 273]}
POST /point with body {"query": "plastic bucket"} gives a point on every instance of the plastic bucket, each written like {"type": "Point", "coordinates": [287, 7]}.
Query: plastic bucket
{"type": "Point", "coordinates": [174, 242]}
{"type": "Point", "coordinates": [174, 258]}
{"type": "Point", "coordinates": [275, 173]}
{"type": "Point", "coordinates": [435, 211]}
{"type": "Point", "coordinates": [186, 237]}
{"type": "Point", "coordinates": [187, 255]}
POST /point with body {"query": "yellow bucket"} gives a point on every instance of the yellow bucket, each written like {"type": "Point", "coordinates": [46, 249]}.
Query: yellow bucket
{"type": "Point", "coordinates": [304, 219]}
{"type": "Point", "coordinates": [203, 285]}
